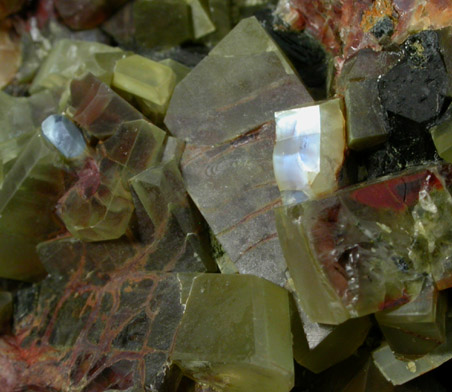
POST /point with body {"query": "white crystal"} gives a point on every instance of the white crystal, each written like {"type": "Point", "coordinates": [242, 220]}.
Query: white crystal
{"type": "Point", "coordinates": [64, 135]}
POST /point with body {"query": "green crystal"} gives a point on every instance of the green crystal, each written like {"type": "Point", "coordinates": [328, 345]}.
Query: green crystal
{"type": "Point", "coordinates": [366, 123]}
{"type": "Point", "coordinates": [71, 59]}
{"type": "Point", "coordinates": [414, 329]}
{"type": "Point", "coordinates": [442, 136]}
{"type": "Point", "coordinates": [97, 108]}
{"type": "Point", "coordinates": [28, 195]}
{"type": "Point", "coordinates": [320, 346]}
{"type": "Point", "coordinates": [390, 225]}
{"type": "Point", "coordinates": [162, 22]}
{"type": "Point", "coordinates": [180, 70]}
{"type": "Point", "coordinates": [399, 371]}
{"type": "Point", "coordinates": [102, 210]}
{"type": "Point", "coordinates": [151, 82]}
{"type": "Point", "coordinates": [202, 23]}
{"type": "Point", "coordinates": [235, 334]}
{"type": "Point", "coordinates": [244, 80]}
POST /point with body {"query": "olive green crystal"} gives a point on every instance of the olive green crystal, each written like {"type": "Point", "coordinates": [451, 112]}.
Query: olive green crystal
{"type": "Point", "coordinates": [151, 82]}
{"type": "Point", "coordinates": [235, 334]}
{"type": "Point", "coordinates": [414, 329]}
{"type": "Point", "coordinates": [366, 122]}
{"type": "Point", "coordinates": [70, 59]}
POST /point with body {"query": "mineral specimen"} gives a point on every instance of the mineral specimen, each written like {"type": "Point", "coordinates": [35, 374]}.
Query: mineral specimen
{"type": "Point", "coordinates": [364, 249]}
{"type": "Point", "coordinates": [99, 205]}
{"type": "Point", "coordinates": [245, 344]}
{"type": "Point", "coordinates": [319, 346]}
{"type": "Point", "coordinates": [69, 59]}
{"type": "Point", "coordinates": [28, 195]}
{"type": "Point", "coordinates": [97, 108]}
{"type": "Point", "coordinates": [254, 79]}
{"type": "Point", "coordinates": [442, 134]}
{"type": "Point", "coordinates": [414, 329]}
{"type": "Point", "coordinates": [309, 150]}
{"type": "Point", "coordinates": [64, 135]}
{"type": "Point", "coordinates": [399, 372]}
{"type": "Point", "coordinates": [234, 187]}
{"type": "Point", "coordinates": [151, 82]}
{"type": "Point", "coordinates": [366, 121]}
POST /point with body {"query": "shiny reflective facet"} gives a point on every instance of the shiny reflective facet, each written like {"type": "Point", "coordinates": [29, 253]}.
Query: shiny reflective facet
{"type": "Point", "coordinates": [309, 150]}
{"type": "Point", "coordinates": [64, 135]}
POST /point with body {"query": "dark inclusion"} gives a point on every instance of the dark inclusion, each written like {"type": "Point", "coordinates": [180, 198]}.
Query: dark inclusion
{"type": "Point", "coordinates": [413, 96]}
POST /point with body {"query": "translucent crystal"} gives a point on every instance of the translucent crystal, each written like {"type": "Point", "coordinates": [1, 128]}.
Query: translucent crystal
{"type": "Point", "coordinates": [99, 205]}
{"type": "Point", "coordinates": [367, 247]}
{"type": "Point", "coordinates": [180, 70]}
{"type": "Point", "coordinates": [237, 87]}
{"type": "Point", "coordinates": [414, 329]}
{"type": "Point", "coordinates": [28, 195]}
{"type": "Point", "coordinates": [151, 81]}
{"type": "Point", "coordinates": [442, 136]}
{"type": "Point", "coordinates": [319, 346]}
{"type": "Point", "coordinates": [64, 135]}
{"type": "Point", "coordinates": [71, 59]}
{"type": "Point", "coordinates": [98, 109]}
{"type": "Point", "coordinates": [202, 23]}
{"type": "Point", "coordinates": [235, 334]}
{"type": "Point", "coordinates": [398, 371]}
{"type": "Point", "coordinates": [310, 148]}
{"type": "Point", "coordinates": [160, 196]}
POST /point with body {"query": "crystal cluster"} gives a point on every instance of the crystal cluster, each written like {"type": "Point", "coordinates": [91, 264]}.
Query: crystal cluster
{"type": "Point", "coordinates": [196, 193]}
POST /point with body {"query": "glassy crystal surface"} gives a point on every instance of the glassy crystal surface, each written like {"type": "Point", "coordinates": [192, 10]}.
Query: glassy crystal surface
{"type": "Point", "coordinates": [151, 81]}
{"type": "Point", "coordinates": [70, 59]}
{"type": "Point", "coordinates": [98, 109]}
{"type": "Point", "coordinates": [399, 372]}
{"type": "Point", "coordinates": [99, 205]}
{"type": "Point", "coordinates": [28, 195]}
{"type": "Point", "coordinates": [310, 148]}
{"type": "Point", "coordinates": [162, 205]}
{"type": "Point", "coordinates": [442, 135]}
{"type": "Point", "coordinates": [389, 225]}
{"type": "Point", "coordinates": [180, 70]}
{"type": "Point", "coordinates": [416, 328]}
{"type": "Point", "coordinates": [64, 135]}
{"type": "Point", "coordinates": [202, 23]}
{"type": "Point", "coordinates": [366, 120]}
{"type": "Point", "coordinates": [162, 23]}
{"type": "Point", "coordinates": [235, 334]}
{"type": "Point", "coordinates": [320, 346]}
{"type": "Point", "coordinates": [234, 187]}
{"type": "Point", "coordinates": [10, 53]}
{"type": "Point", "coordinates": [244, 80]}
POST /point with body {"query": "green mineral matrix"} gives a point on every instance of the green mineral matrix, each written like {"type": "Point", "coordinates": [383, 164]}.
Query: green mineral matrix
{"type": "Point", "coordinates": [225, 195]}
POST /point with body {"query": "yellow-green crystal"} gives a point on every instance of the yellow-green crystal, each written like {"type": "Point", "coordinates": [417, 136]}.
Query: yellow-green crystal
{"type": "Point", "coordinates": [235, 334]}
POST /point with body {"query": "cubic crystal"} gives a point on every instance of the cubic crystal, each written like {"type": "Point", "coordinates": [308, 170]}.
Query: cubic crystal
{"type": "Point", "coordinates": [235, 334]}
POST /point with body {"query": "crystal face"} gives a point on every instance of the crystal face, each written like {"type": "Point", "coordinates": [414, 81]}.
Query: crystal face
{"type": "Point", "coordinates": [363, 249]}
{"type": "Point", "coordinates": [245, 344]}
{"type": "Point", "coordinates": [64, 135]}
{"type": "Point", "coordinates": [244, 78]}
{"type": "Point", "coordinates": [173, 210]}
{"type": "Point", "coordinates": [309, 150]}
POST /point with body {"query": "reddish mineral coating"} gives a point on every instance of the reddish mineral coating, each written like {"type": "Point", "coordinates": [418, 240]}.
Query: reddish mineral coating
{"type": "Point", "coordinates": [344, 25]}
